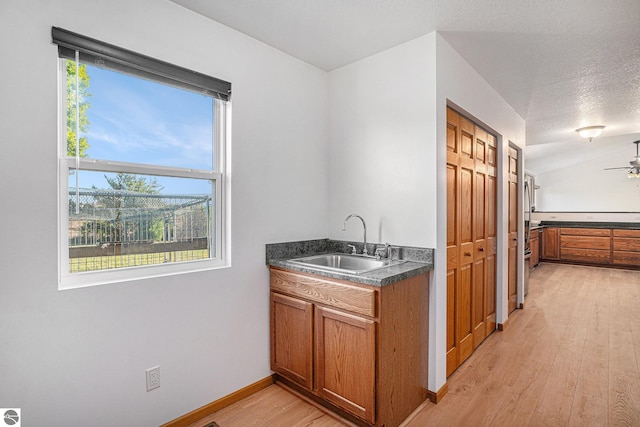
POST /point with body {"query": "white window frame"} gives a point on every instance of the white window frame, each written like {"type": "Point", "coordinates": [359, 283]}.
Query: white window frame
{"type": "Point", "coordinates": [218, 176]}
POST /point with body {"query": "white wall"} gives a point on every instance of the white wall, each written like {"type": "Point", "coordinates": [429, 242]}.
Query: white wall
{"type": "Point", "coordinates": [574, 179]}
{"type": "Point", "coordinates": [580, 189]}
{"type": "Point", "coordinates": [78, 357]}
{"type": "Point", "coordinates": [458, 83]}
{"type": "Point", "coordinates": [381, 145]}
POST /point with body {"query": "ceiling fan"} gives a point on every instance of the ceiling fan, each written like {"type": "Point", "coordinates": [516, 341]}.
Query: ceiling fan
{"type": "Point", "coordinates": [633, 171]}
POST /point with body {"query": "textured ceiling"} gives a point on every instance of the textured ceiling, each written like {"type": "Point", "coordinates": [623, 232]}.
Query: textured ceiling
{"type": "Point", "coordinates": [560, 64]}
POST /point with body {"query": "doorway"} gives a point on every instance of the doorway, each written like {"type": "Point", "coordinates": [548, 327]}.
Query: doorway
{"type": "Point", "coordinates": [513, 230]}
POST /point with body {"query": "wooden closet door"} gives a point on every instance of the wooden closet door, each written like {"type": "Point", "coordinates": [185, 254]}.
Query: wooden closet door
{"type": "Point", "coordinates": [492, 226]}
{"type": "Point", "coordinates": [466, 268]}
{"type": "Point", "coordinates": [471, 214]}
{"type": "Point", "coordinates": [480, 238]}
{"type": "Point", "coordinates": [453, 238]}
{"type": "Point", "coordinates": [452, 266]}
{"type": "Point", "coordinates": [460, 175]}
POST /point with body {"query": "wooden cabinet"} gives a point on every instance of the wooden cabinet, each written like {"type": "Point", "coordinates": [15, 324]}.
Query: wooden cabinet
{"type": "Point", "coordinates": [534, 245]}
{"type": "Point", "coordinates": [586, 245]}
{"type": "Point", "coordinates": [626, 247]}
{"type": "Point", "coordinates": [549, 242]}
{"type": "Point", "coordinates": [346, 350]}
{"type": "Point", "coordinates": [596, 246]}
{"type": "Point", "coordinates": [341, 342]}
{"type": "Point", "coordinates": [291, 338]}
{"type": "Point", "coordinates": [358, 350]}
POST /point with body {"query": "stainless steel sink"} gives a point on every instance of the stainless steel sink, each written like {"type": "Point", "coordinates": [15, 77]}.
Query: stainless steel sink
{"type": "Point", "coordinates": [354, 264]}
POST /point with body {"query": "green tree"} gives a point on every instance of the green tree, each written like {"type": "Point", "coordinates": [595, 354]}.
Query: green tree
{"type": "Point", "coordinates": [133, 183]}
{"type": "Point", "coordinates": [83, 96]}
{"type": "Point", "coordinates": [126, 188]}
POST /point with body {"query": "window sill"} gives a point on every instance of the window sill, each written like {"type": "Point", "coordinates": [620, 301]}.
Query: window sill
{"type": "Point", "coordinates": [95, 278]}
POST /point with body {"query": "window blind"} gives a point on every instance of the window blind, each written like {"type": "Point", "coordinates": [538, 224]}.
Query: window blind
{"type": "Point", "coordinates": [105, 55]}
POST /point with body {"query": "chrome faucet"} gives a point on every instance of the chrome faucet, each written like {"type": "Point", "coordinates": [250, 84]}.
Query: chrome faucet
{"type": "Point", "coordinates": [364, 226]}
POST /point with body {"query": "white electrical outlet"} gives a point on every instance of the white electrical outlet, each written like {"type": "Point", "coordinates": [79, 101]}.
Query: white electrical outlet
{"type": "Point", "coordinates": [153, 378]}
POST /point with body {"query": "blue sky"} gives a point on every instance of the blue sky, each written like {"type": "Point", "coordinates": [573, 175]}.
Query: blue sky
{"type": "Point", "coordinates": [139, 121]}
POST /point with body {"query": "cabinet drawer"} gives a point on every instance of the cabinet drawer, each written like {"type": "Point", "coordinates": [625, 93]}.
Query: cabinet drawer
{"type": "Point", "coordinates": [325, 291]}
{"type": "Point", "coordinates": [626, 233]}
{"type": "Point", "coordinates": [586, 255]}
{"type": "Point", "coordinates": [626, 258]}
{"type": "Point", "coordinates": [605, 232]}
{"type": "Point", "coordinates": [585, 242]}
{"type": "Point", "coordinates": [629, 244]}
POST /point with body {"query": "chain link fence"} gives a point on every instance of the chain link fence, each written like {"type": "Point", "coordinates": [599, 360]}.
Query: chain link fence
{"type": "Point", "coordinates": [117, 228]}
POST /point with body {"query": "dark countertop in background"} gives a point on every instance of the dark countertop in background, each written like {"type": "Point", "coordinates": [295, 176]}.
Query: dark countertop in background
{"type": "Point", "coordinates": [588, 224]}
{"type": "Point", "coordinates": [417, 260]}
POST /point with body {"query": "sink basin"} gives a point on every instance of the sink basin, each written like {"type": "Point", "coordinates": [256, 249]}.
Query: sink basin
{"type": "Point", "coordinates": [354, 264]}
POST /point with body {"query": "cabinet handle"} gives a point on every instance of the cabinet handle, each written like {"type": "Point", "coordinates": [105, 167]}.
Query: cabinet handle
{"type": "Point", "coordinates": [467, 254]}
{"type": "Point", "coordinates": [480, 249]}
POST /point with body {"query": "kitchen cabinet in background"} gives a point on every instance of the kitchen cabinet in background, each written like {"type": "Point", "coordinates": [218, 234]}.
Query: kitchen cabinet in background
{"type": "Point", "coordinates": [626, 247]}
{"type": "Point", "coordinates": [606, 247]}
{"type": "Point", "coordinates": [586, 245]}
{"type": "Point", "coordinates": [550, 250]}
{"type": "Point", "coordinates": [534, 245]}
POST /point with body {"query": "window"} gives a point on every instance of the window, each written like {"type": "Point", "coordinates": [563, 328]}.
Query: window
{"type": "Point", "coordinates": [142, 188]}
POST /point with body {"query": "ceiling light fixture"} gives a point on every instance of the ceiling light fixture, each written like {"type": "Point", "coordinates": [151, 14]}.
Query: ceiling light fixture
{"type": "Point", "coordinates": [633, 173]}
{"type": "Point", "coordinates": [590, 132]}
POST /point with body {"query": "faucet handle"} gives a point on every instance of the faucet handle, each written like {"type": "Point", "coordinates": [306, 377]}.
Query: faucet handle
{"type": "Point", "coordinates": [353, 249]}
{"type": "Point", "coordinates": [383, 250]}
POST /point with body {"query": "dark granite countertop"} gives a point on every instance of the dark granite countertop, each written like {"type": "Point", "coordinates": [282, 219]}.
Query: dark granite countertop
{"type": "Point", "coordinates": [416, 260]}
{"type": "Point", "coordinates": [587, 224]}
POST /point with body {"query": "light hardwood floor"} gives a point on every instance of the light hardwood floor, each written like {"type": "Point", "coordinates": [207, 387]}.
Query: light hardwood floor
{"type": "Point", "coordinates": [570, 358]}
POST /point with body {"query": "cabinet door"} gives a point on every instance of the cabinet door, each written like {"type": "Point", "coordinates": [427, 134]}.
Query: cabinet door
{"type": "Point", "coordinates": [535, 249]}
{"type": "Point", "coordinates": [550, 243]}
{"type": "Point", "coordinates": [291, 339]}
{"type": "Point", "coordinates": [345, 352]}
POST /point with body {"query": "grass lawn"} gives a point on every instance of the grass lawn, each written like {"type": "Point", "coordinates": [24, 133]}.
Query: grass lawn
{"type": "Point", "coordinates": [134, 260]}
